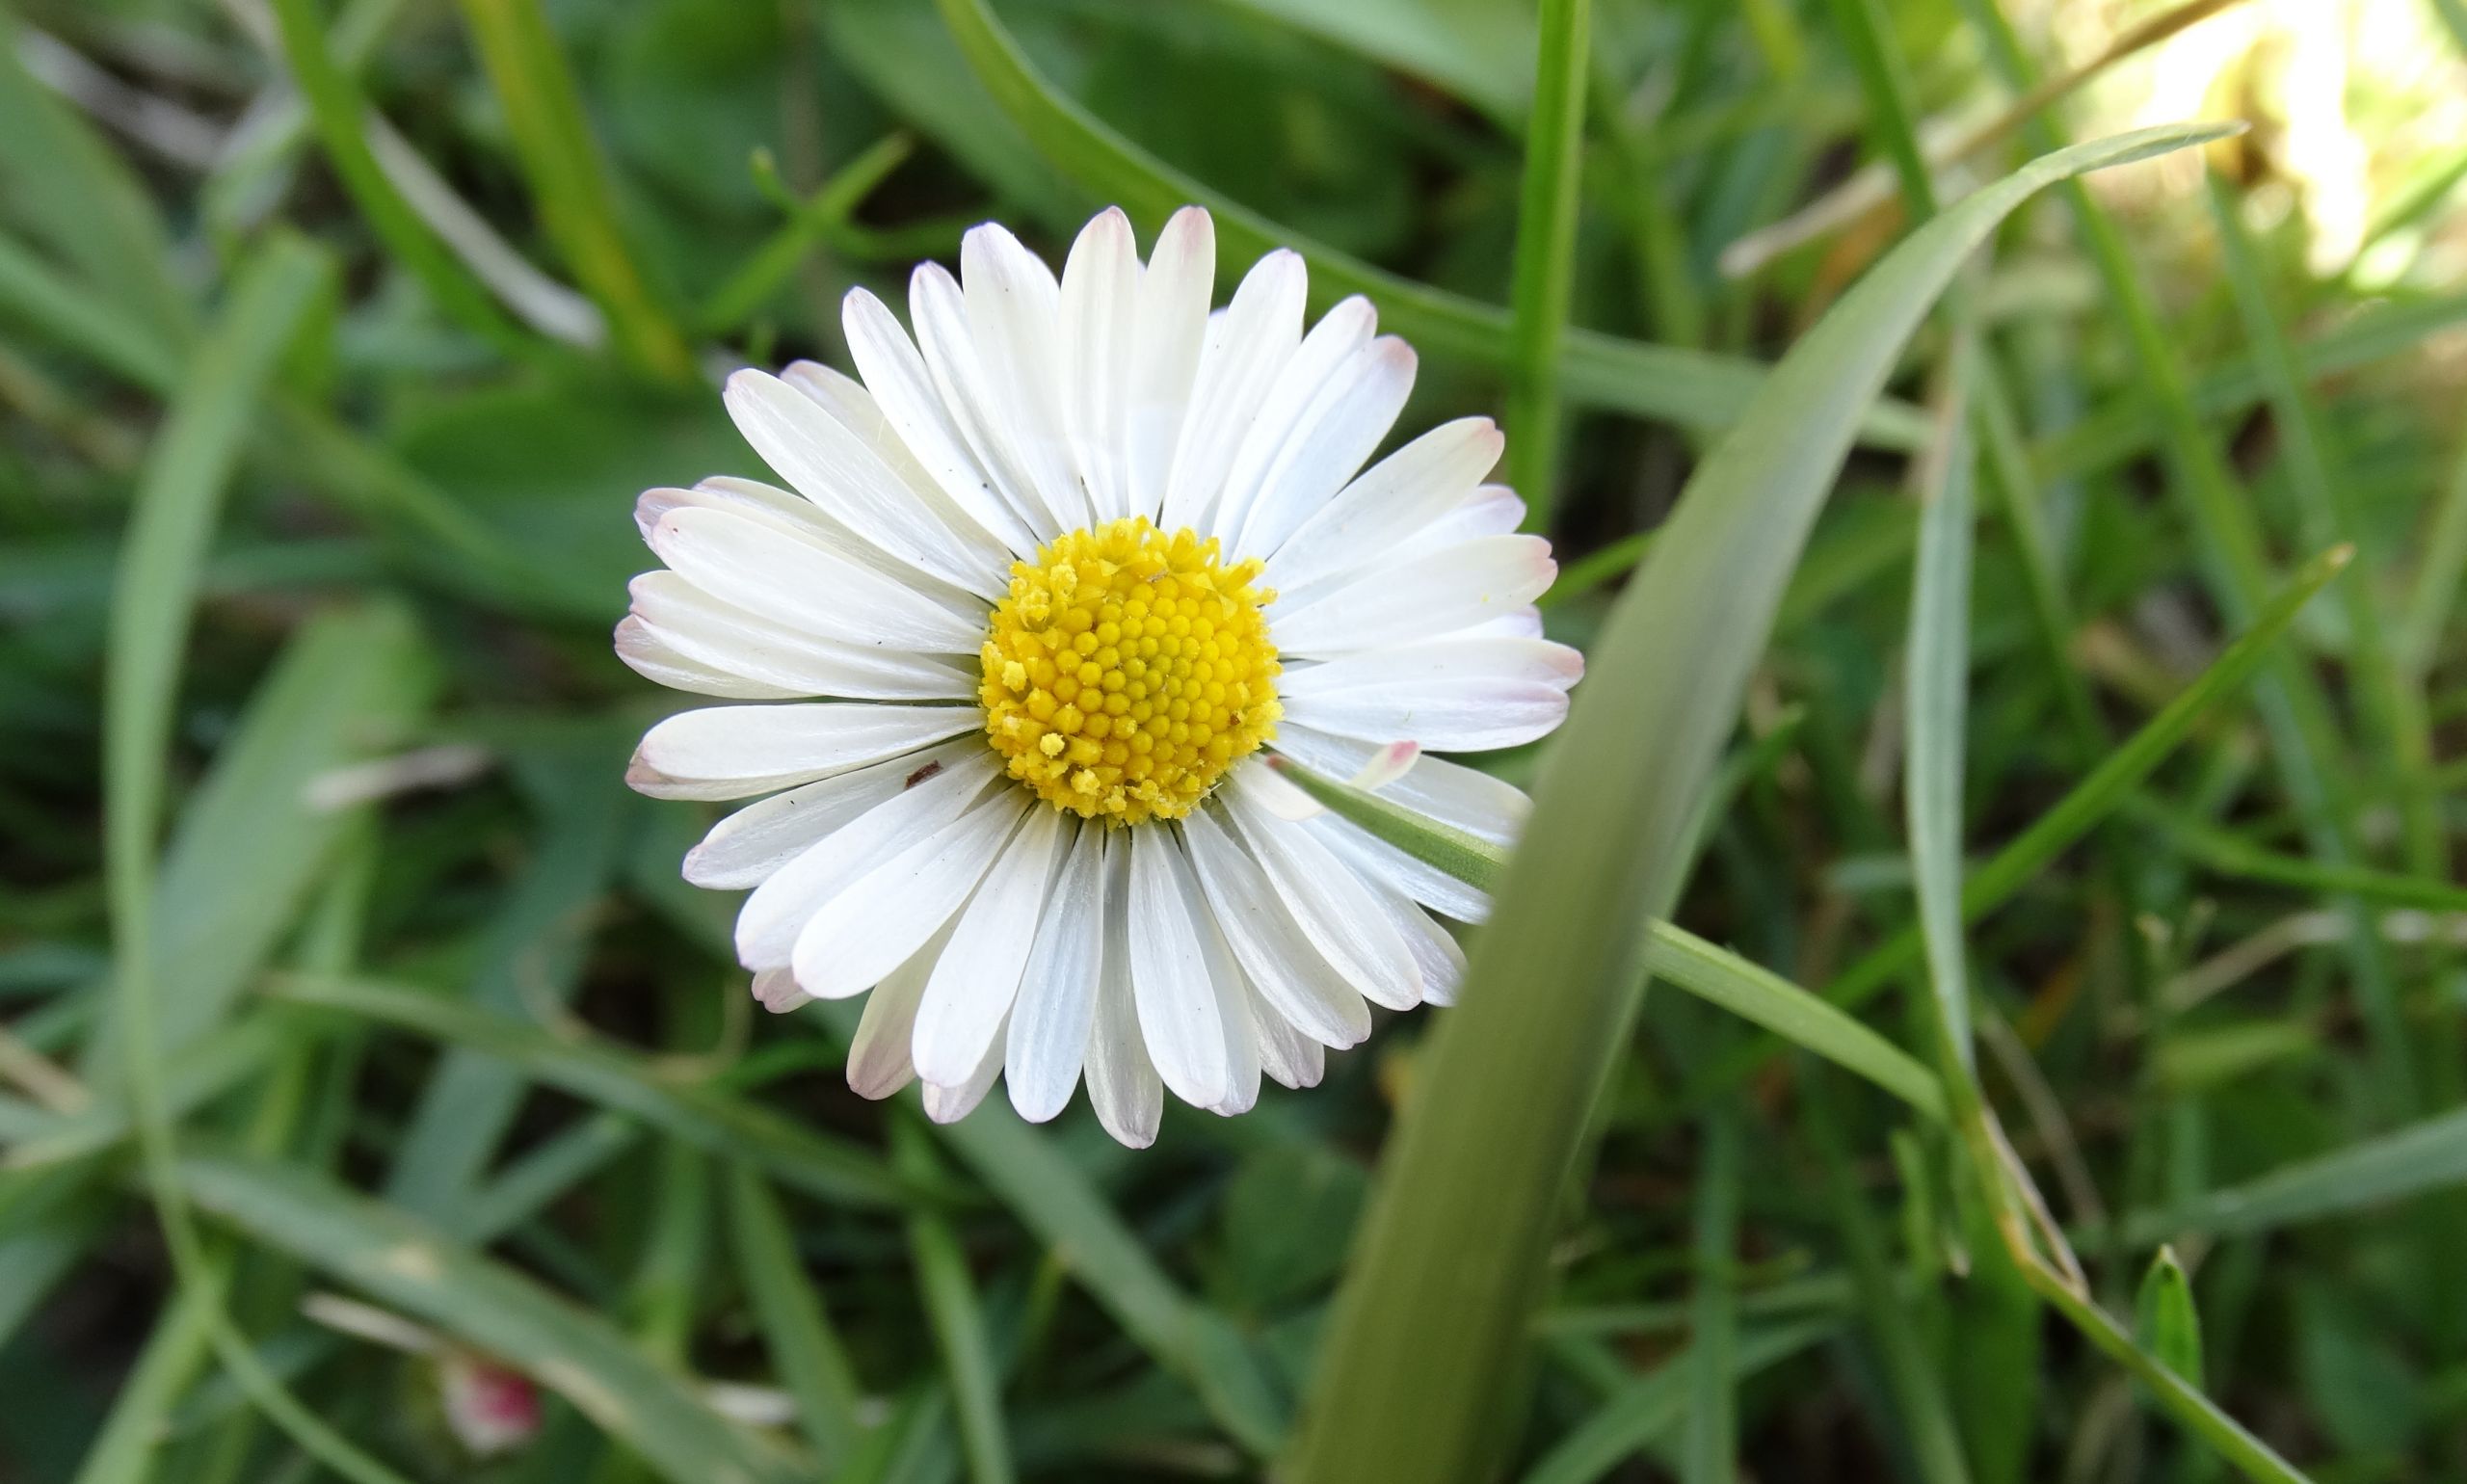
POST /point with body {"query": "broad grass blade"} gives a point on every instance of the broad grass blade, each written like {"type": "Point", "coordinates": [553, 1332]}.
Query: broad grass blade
{"type": "Point", "coordinates": [1426, 1343]}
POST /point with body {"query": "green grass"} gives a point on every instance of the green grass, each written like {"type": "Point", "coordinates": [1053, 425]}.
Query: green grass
{"type": "Point", "coordinates": [2023, 723]}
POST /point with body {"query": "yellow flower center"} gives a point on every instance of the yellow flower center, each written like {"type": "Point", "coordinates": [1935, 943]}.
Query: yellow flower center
{"type": "Point", "coordinates": [1128, 669]}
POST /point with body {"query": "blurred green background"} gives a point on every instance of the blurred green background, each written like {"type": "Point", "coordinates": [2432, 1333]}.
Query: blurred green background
{"type": "Point", "coordinates": [482, 1165]}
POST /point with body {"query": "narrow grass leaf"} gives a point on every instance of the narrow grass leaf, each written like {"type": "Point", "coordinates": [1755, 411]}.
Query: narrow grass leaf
{"type": "Point", "coordinates": [1471, 48]}
{"type": "Point", "coordinates": [1915, 1392]}
{"type": "Point", "coordinates": [179, 501]}
{"type": "Point", "coordinates": [1461, 854]}
{"type": "Point", "coordinates": [2424, 1156]}
{"type": "Point", "coordinates": [569, 181]}
{"type": "Point", "coordinates": [1758, 994]}
{"type": "Point", "coordinates": [2164, 1320]}
{"type": "Point", "coordinates": [1544, 278]}
{"type": "Point", "coordinates": [2444, 562]}
{"type": "Point", "coordinates": [2232, 855]}
{"type": "Point", "coordinates": [951, 1306]}
{"type": "Point", "coordinates": [341, 120]}
{"type": "Point", "coordinates": [1937, 707]}
{"type": "Point", "coordinates": [787, 1306]}
{"type": "Point", "coordinates": [625, 1081]}
{"type": "Point", "coordinates": [70, 187]}
{"type": "Point", "coordinates": [2131, 428]}
{"type": "Point", "coordinates": [1450, 1265]}
{"type": "Point", "coordinates": [1709, 1450]}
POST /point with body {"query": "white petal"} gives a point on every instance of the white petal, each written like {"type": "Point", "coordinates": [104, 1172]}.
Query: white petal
{"type": "Point", "coordinates": [828, 463]}
{"type": "Point", "coordinates": [651, 656]}
{"type": "Point", "coordinates": [1014, 315]}
{"type": "Point", "coordinates": [1122, 1086]}
{"type": "Point", "coordinates": [949, 1102]}
{"type": "Point", "coordinates": [867, 930]}
{"type": "Point", "coordinates": [719, 636]}
{"type": "Point", "coordinates": [1285, 1054]}
{"type": "Point", "coordinates": [1449, 792]}
{"type": "Point", "coordinates": [1284, 798]}
{"type": "Point", "coordinates": [1057, 1004]}
{"type": "Point", "coordinates": [1392, 761]}
{"type": "Point", "coordinates": [1401, 493]}
{"type": "Point", "coordinates": [745, 496]}
{"type": "Point", "coordinates": [1173, 322]}
{"type": "Point", "coordinates": [778, 910]}
{"type": "Point", "coordinates": [1525, 623]}
{"type": "Point", "coordinates": [1457, 716]}
{"type": "Point", "coordinates": [776, 989]}
{"type": "Point", "coordinates": [938, 309]}
{"type": "Point", "coordinates": [1169, 977]}
{"type": "Point", "coordinates": [793, 514]}
{"type": "Point", "coordinates": [879, 1063]}
{"type": "Point", "coordinates": [1382, 865]}
{"type": "Point", "coordinates": [1537, 662]}
{"type": "Point", "coordinates": [1491, 510]}
{"type": "Point", "coordinates": [1431, 595]}
{"type": "Point", "coordinates": [1329, 345]}
{"type": "Point", "coordinates": [733, 752]}
{"type": "Point", "coordinates": [1100, 341]}
{"type": "Point", "coordinates": [1233, 999]}
{"type": "Point", "coordinates": [1330, 902]}
{"type": "Point", "coordinates": [1291, 975]}
{"type": "Point", "coordinates": [745, 849]}
{"type": "Point", "coordinates": [1344, 424]}
{"type": "Point", "coordinates": [1246, 347]}
{"type": "Point", "coordinates": [795, 581]}
{"type": "Point", "coordinates": [978, 975]}
{"type": "Point", "coordinates": [1436, 951]}
{"type": "Point", "coordinates": [904, 385]}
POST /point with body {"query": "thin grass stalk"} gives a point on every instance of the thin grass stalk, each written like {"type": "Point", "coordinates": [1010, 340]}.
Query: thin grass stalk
{"type": "Point", "coordinates": [577, 201]}
{"type": "Point", "coordinates": [177, 507]}
{"type": "Point", "coordinates": [1546, 252]}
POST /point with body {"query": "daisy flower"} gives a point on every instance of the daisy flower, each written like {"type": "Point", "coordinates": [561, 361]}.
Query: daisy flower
{"type": "Point", "coordinates": [1041, 595]}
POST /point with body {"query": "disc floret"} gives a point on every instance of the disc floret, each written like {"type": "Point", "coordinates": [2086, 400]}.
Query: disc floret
{"type": "Point", "coordinates": [1127, 669]}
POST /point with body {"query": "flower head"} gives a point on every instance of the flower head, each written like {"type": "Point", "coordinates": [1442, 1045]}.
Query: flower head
{"type": "Point", "coordinates": [1052, 577]}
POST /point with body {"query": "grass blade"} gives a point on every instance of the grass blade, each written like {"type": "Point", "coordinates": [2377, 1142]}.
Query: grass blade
{"type": "Point", "coordinates": [1917, 1393]}
{"type": "Point", "coordinates": [1709, 1452]}
{"type": "Point", "coordinates": [1546, 254]}
{"type": "Point", "coordinates": [2164, 1320]}
{"type": "Point", "coordinates": [570, 181]}
{"type": "Point", "coordinates": [627, 1081]}
{"type": "Point", "coordinates": [1937, 702]}
{"type": "Point", "coordinates": [342, 118]}
{"type": "Point", "coordinates": [959, 1321]}
{"type": "Point", "coordinates": [1758, 994]}
{"type": "Point", "coordinates": [2424, 1156]}
{"type": "Point", "coordinates": [787, 1305]}
{"type": "Point", "coordinates": [178, 503]}
{"type": "Point", "coordinates": [1410, 1387]}
{"type": "Point", "coordinates": [73, 189]}
{"type": "Point", "coordinates": [1470, 47]}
